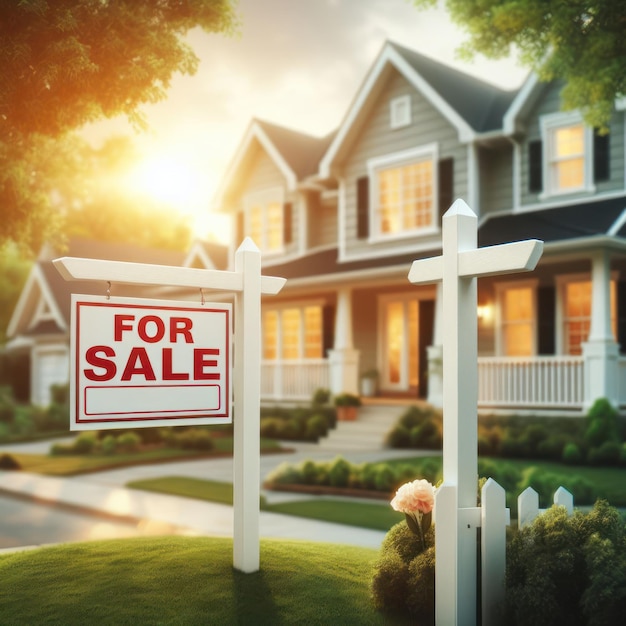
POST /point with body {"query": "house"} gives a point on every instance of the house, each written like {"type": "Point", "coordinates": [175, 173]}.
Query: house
{"type": "Point", "coordinates": [39, 329]}
{"type": "Point", "coordinates": [343, 216]}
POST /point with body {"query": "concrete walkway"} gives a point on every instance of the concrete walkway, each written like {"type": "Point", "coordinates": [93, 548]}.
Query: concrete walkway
{"type": "Point", "coordinates": [105, 493]}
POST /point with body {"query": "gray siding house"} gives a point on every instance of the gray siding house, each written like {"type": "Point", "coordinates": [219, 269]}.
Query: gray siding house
{"type": "Point", "coordinates": [342, 217]}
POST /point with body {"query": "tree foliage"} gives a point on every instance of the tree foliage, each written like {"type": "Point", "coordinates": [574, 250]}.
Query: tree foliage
{"type": "Point", "coordinates": [581, 42]}
{"type": "Point", "coordinates": [69, 62]}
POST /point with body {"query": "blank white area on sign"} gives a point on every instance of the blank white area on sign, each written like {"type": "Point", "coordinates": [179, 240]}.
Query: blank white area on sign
{"type": "Point", "coordinates": [152, 400]}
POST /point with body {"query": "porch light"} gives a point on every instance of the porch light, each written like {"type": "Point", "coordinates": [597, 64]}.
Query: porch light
{"type": "Point", "coordinates": [484, 312]}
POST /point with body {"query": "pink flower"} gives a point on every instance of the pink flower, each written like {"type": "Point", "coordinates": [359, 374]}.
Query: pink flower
{"type": "Point", "coordinates": [414, 497]}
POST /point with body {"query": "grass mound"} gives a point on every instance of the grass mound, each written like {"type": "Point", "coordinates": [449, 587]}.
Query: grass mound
{"type": "Point", "coordinates": [181, 580]}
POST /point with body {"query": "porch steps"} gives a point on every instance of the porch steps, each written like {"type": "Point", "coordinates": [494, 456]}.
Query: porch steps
{"type": "Point", "coordinates": [367, 432]}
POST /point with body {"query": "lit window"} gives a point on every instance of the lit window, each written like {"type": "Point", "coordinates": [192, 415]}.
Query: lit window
{"type": "Point", "coordinates": [270, 335]}
{"type": "Point", "coordinates": [567, 158]}
{"type": "Point", "coordinates": [293, 333]}
{"type": "Point", "coordinates": [404, 192]}
{"type": "Point", "coordinates": [517, 304]}
{"type": "Point", "coordinates": [577, 314]}
{"type": "Point", "coordinates": [264, 220]}
{"type": "Point", "coordinates": [567, 154]}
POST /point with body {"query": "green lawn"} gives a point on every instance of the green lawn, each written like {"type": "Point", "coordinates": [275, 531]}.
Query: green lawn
{"type": "Point", "coordinates": [375, 515]}
{"type": "Point", "coordinates": [181, 580]}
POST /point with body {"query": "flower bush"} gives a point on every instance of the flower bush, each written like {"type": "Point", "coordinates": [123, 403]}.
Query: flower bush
{"type": "Point", "coordinates": [404, 575]}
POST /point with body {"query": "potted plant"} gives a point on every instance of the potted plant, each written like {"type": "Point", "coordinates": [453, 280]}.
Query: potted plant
{"type": "Point", "coordinates": [369, 383]}
{"type": "Point", "coordinates": [346, 405]}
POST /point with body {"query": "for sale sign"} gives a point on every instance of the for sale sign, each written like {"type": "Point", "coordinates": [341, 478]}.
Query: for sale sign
{"type": "Point", "coordinates": [140, 362]}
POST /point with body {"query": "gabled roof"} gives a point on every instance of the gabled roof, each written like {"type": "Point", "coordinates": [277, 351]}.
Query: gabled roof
{"type": "Point", "coordinates": [295, 154]}
{"type": "Point", "coordinates": [207, 255]}
{"type": "Point", "coordinates": [480, 104]}
{"type": "Point", "coordinates": [45, 281]}
{"type": "Point", "coordinates": [472, 106]}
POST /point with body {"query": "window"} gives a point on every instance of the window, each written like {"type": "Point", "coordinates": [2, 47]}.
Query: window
{"type": "Point", "coordinates": [577, 314]}
{"type": "Point", "coordinates": [264, 220]}
{"type": "Point", "coordinates": [293, 333]}
{"type": "Point", "coordinates": [400, 112]}
{"type": "Point", "coordinates": [517, 306]}
{"type": "Point", "coordinates": [568, 155]}
{"type": "Point", "coordinates": [404, 193]}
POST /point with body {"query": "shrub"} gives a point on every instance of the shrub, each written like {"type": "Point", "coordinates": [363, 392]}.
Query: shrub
{"type": "Point", "coordinates": [309, 472]}
{"type": "Point", "coordinates": [403, 579]}
{"type": "Point", "coordinates": [8, 462]}
{"type": "Point", "coordinates": [551, 448]}
{"type": "Point", "coordinates": [568, 570]}
{"type": "Point", "coordinates": [128, 442]}
{"type": "Point", "coordinates": [7, 405]}
{"type": "Point", "coordinates": [572, 454]}
{"type": "Point", "coordinates": [321, 397]}
{"type": "Point", "coordinates": [194, 439]}
{"type": "Point", "coordinates": [602, 423]}
{"type": "Point", "coordinates": [285, 474]}
{"type": "Point", "coordinates": [546, 483]}
{"type": "Point", "coordinates": [385, 478]}
{"type": "Point", "coordinates": [270, 427]}
{"type": "Point", "coordinates": [609, 453]}
{"type": "Point", "coordinates": [399, 437]}
{"type": "Point", "coordinates": [339, 473]}
{"type": "Point", "coordinates": [316, 427]}
{"type": "Point", "coordinates": [109, 445]}
{"type": "Point", "coordinates": [426, 435]}
{"type": "Point", "coordinates": [85, 443]}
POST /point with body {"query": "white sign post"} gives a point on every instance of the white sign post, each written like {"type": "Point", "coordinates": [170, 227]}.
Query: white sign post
{"type": "Point", "coordinates": [456, 515]}
{"type": "Point", "coordinates": [248, 285]}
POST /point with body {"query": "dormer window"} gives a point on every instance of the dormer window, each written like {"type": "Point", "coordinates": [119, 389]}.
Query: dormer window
{"type": "Point", "coordinates": [400, 112]}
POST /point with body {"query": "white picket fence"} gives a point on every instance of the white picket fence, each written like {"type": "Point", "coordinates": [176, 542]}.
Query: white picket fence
{"type": "Point", "coordinates": [494, 519]}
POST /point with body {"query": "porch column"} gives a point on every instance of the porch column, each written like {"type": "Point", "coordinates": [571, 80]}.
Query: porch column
{"type": "Point", "coordinates": [343, 358]}
{"type": "Point", "coordinates": [435, 355]}
{"type": "Point", "coordinates": [601, 351]}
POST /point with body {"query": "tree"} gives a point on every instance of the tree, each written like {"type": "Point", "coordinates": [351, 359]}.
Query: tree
{"type": "Point", "coordinates": [581, 42]}
{"type": "Point", "coordinates": [69, 62]}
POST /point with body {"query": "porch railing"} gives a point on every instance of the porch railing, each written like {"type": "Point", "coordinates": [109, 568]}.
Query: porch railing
{"type": "Point", "coordinates": [503, 382]}
{"type": "Point", "coordinates": [293, 379]}
{"type": "Point", "coordinates": [533, 382]}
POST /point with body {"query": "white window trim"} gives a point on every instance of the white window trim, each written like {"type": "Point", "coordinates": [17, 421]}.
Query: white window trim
{"type": "Point", "coordinates": [278, 309]}
{"type": "Point", "coordinates": [400, 112]}
{"type": "Point", "coordinates": [500, 288]}
{"type": "Point", "coordinates": [561, 282]}
{"type": "Point", "coordinates": [264, 197]}
{"type": "Point", "coordinates": [405, 157]}
{"type": "Point", "coordinates": [550, 123]}
{"type": "Point", "coordinates": [43, 313]}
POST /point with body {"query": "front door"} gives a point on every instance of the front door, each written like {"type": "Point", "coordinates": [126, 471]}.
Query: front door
{"type": "Point", "coordinates": [406, 331]}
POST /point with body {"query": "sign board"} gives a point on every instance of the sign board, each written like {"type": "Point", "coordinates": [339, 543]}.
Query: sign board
{"type": "Point", "coordinates": [141, 362]}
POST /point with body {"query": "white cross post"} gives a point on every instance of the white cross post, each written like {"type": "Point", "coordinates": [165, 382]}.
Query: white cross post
{"type": "Point", "coordinates": [248, 284]}
{"type": "Point", "coordinates": [456, 515]}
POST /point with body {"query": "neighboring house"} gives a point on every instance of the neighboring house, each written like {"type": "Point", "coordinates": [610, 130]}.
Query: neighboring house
{"type": "Point", "coordinates": [39, 330]}
{"type": "Point", "coordinates": [342, 218]}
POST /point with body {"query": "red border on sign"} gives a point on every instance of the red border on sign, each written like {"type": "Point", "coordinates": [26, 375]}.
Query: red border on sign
{"type": "Point", "coordinates": [184, 413]}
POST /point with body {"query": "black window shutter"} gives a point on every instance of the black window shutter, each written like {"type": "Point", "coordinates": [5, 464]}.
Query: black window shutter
{"type": "Point", "coordinates": [446, 185]}
{"type": "Point", "coordinates": [239, 228]}
{"type": "Point", "coordinates": [546, 301]}
{"type": "Point", "coordinates": [328, 329]}
{"type": "Point", "coordinates": [363, 207]}
{"type": "Point", "coordinates": [621, 315]}
{"type": "Point", "coordinates": [287, 222]}
{"type": "Point", "coordinates": [535, 166]}
{"type": "Point", "coordinates": [601, 157]}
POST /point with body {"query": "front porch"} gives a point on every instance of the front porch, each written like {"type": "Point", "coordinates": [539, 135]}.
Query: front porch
{"type": "Point", "coordinates": [540, 383]}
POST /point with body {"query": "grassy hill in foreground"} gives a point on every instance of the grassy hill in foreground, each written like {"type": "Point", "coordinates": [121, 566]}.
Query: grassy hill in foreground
{"type": "Point", "coordinates": [182, 580]}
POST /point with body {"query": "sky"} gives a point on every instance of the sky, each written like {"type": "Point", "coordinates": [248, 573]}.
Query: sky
{"type": "Point", "coordinates": [297, 63]}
